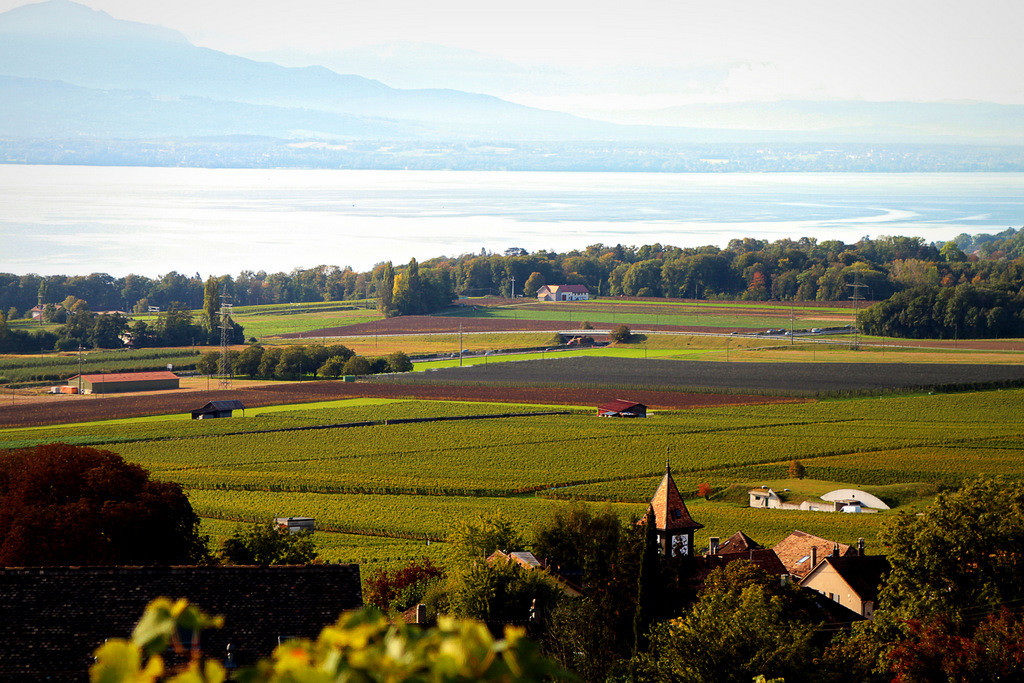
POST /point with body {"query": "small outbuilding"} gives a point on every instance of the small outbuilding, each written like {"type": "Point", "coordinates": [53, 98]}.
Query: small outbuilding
{"type": "Point", "coordinates": [294, 525]}
{"type": "Point", "coordinates": [217, 409]}
{"type": "Point", "coordinates": [622, 408]}
{"type": "Point", "coordinates": [118, 382]}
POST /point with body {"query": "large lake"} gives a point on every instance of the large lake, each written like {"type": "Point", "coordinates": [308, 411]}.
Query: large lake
{"type": "Point", "coordinates": [77, 219]}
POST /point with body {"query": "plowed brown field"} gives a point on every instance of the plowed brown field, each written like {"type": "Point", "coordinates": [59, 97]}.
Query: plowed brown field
{"type": "Point", "coordinates": [88, 408]}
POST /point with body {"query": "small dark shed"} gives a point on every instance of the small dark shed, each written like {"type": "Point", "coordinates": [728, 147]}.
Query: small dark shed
{"type": "Point", "coordinates": [622, 408]}
{"type": "Point", "coordinates": [217, 409]}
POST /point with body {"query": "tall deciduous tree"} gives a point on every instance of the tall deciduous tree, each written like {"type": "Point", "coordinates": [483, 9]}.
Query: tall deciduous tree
{"type": "Point", "coordinates": [961, 557]}
{"type": "Point", "coordinates": [72, 505]}
{"type": "Point", "coordinates": [744, 624]}
{"type": "Point", "coordinates": [384, 285]}
{"type": "Point", "coordinates": [211, 306]}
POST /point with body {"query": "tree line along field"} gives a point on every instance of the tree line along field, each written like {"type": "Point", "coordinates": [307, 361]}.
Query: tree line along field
{"type": "Point", "coordinates": [412, 482]}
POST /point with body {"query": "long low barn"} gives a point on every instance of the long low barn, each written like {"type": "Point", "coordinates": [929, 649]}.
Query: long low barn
{"type": "Point", "coordinates": [117, 382]}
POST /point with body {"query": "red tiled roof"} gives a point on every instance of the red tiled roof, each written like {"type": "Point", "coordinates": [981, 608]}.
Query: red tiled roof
{"type": "Point", "coordinates": [127, 376]}
{"type": "Point", "coordinates": [795, 551]}
{"type": "Point", "coordinates": [669, 509]}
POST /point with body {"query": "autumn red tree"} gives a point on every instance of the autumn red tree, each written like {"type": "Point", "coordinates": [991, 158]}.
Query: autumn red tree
{"type": "Point", "coordinates": [72, 505]}
{"type": "Point", "coordinates": [399, 588]}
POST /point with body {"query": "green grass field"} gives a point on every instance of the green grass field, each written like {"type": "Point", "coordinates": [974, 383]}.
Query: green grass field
{"type": "Point", "coordinates": [411, 482]}
{"type": "Point", "coordinates": [738, 315]}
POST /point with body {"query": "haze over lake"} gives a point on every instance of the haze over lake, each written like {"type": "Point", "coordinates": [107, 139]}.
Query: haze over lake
{"type": "Point", "coordinates": [79, 220]}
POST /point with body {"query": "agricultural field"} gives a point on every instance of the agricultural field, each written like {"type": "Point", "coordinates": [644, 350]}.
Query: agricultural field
{"type": "Point", "coordinates": [773, 378]}
{"type": "Point", "coordinates": [261, 322]}
{"type": "Point", "coordinates": [409, 483]}
{"type": "Point", "coordinates": [494, 315]}
{"type": "Point", "coordinates": [57, 367]}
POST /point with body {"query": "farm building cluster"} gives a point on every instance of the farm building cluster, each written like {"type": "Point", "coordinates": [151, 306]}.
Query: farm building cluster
{"type": "Point", "coordinates": [563, 293]}
{"type": "Point", "coordinates": [840, 500]}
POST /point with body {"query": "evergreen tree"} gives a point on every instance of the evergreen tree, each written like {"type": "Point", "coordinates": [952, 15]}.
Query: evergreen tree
{"type": "Point", "coordinates": [646, 585]}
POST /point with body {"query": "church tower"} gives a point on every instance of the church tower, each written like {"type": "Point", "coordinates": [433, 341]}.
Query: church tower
{"type": "Point", "coordinates": [672, 520]}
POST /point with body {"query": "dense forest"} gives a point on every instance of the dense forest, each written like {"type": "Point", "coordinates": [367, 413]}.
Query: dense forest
{"type": "Point", "coordinates": [987, 270]}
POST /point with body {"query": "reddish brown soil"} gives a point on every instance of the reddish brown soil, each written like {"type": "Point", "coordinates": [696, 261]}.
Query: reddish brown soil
{"type": "Point", "coordinates": [429, 324]}
{"type": "Point", "coordinates": [89, 408]}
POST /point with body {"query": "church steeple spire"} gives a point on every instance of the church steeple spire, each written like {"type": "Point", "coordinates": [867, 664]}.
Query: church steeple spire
{"type": "Point", "coordinates": [672, 520]}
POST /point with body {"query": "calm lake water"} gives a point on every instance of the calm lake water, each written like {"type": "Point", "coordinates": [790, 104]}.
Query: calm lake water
{"type": "Point", "coordinates": [76, 219]}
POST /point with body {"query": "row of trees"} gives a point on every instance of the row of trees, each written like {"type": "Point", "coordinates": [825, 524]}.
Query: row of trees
{"type": "Point", "coordinates": [964, 311]}
{"type": "Point", "coordinates": [81, 328]}
{"type": "Point", "coordinates": [803, 269]}
{"type": "Point", "coordinates": [294, 362]}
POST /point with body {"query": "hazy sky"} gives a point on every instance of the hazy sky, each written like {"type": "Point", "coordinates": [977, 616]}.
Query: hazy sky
{"type": "Point", "coordinates": [665, 51]}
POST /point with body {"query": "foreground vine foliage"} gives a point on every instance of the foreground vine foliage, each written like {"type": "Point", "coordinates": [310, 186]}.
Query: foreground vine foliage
{"type": "Point", "coordinates": [363, 646]}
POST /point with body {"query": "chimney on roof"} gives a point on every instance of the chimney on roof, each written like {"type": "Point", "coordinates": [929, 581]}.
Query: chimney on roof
{"type": "Point", "coordinates": [835, 550]}
{"type": "Point", "coordinates": [860, 546]}
{"type": "Point", "coordinates": [814, 556]}
{"type": "Point", "coordinates": [713, 549]}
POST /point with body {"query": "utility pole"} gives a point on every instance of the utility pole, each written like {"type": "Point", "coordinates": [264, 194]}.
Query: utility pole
{"type": "Point", "coordinates": [460, 344]}
{"type": "Point", "coordinates": [857, 297]}
{"type": "Point", "coordinates": [513, 278]}
{"type": "Point", "coordinates": [225, 328]}
{"type": "Point", "coordinates": [792, 325]}
{"type": "Point", "coordinates": [79, 368]}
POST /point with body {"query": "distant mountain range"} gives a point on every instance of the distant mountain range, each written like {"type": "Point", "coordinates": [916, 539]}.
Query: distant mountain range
{"type": "Point", "coordinates": [70, 72]}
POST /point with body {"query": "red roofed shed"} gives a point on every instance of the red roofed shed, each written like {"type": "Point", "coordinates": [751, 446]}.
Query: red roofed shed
{"type": "Point", "coordinates": [622, 408]}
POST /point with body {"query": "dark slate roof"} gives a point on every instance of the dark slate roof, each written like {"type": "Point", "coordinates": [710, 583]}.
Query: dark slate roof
{"type": "Point", "coordinates": [217, 406]}
{"type": "Point", "coordinates": [55, 617]}
{"type": "Point", "coordinates": [863, 573]}
{"type": "Point", "coordinates": [739, 542]}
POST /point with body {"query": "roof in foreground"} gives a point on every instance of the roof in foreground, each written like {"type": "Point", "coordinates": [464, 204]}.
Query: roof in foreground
{"type": "Point", "coordinates": [55, 617]}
